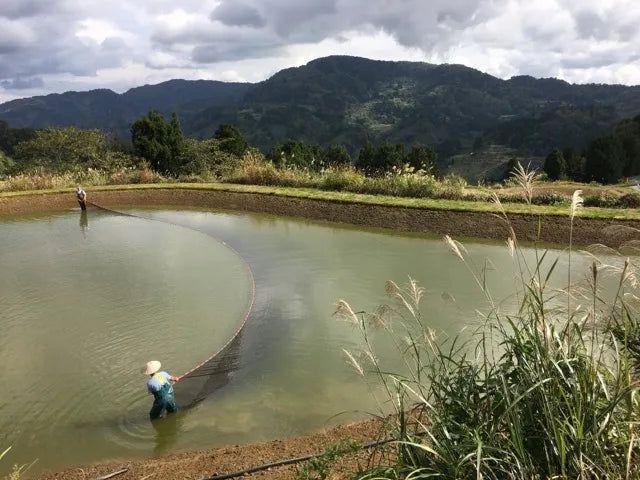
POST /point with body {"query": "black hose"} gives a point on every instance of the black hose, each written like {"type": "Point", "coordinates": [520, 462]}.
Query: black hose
{"type": "Point", "coordinates": [288, 461]}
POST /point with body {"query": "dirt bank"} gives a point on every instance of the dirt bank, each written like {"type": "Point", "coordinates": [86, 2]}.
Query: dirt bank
{"type": "Point", "coordinates": [553, 229]}
{"type": "Point", "coordinates": [205, 463]}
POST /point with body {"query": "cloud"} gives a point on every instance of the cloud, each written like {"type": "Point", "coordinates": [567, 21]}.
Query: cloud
{"type": "Point", "coordinates": [22, 83]}
{"type": "Point", "coordinates": [14, 37]}
{"type": "Point", "coordinates": [26, 8]}
{"type": "Point", "coordinates": [237, 14]}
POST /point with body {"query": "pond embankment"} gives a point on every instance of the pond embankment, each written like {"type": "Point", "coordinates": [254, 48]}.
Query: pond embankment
{"type": "Point", "coordinates": [456, 223]}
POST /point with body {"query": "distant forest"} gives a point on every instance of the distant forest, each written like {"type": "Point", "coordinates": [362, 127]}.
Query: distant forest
{"type": "Point", "coordinates": [162, 144]}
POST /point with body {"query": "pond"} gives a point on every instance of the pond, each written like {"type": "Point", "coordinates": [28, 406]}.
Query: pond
{"type": "Point", "coordinates": [87, 300]}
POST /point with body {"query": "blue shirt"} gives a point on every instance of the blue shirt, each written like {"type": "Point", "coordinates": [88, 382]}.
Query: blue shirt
{"type": "Point", "coordinates": [155, 384]}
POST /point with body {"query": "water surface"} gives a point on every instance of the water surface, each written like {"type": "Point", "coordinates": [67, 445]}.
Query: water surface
{"type": "Point", "coordinates": [84, 306]}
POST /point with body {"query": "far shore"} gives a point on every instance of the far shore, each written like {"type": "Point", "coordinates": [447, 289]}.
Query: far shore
{"type": "Point", "coordinates": [400, 215]}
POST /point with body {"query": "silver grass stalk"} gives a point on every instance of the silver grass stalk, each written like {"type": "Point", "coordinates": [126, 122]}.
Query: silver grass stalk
{"type": "Point", "coordinates": [512, 246]}
{"type": "Point", "coordinates": [353, 362]}
{"type": "Point", "coordinates": [576, 203]}
{"type": "Point", "coordinates": [525, 178]}
{"type": "Point", "coordinates": [455, 247]}
{"type": "Point", "coordinates": [344, 311]}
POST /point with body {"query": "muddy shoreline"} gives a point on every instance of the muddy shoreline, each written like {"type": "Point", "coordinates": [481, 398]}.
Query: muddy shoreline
{"type": "Point", "coordinates": [553, 229]}
{"type": "Point", "coordinates": [235, 458]}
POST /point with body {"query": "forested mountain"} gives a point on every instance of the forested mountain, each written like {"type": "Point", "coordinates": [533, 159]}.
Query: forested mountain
{"type": "Point", "coordinates": [109, 111]}
{"type": "Point", "coordinates": [352, 101]}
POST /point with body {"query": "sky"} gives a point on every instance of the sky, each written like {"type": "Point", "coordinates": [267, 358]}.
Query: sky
{"type": "Point", "coordinates": [53, 46]}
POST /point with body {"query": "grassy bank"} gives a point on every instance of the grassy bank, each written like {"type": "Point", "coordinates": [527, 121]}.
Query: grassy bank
{"type": "Point", "coordinates": [349, 197]}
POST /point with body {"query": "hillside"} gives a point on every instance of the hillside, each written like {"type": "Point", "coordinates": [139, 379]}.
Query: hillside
{"type": "Point", "coordinates": [109, 111]}
{"type": "Point", "coordinates": [353, 101]}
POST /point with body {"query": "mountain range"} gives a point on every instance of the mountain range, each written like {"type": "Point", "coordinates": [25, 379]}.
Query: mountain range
{"type": "Point", "coordinates": [352, 101]}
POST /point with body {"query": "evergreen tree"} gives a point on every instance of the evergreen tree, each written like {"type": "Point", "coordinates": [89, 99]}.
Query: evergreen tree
{"type": "Point", "coordinates": [605, 160]}
{"type": "Point", "coordinates": [555, 166]}
{"type": "Point", "coordinates": [628, 131]}
{"type": "Point", "coordinates": [574, 161]}
{"type": "Point", "coordinates": [511, 168]}
{"type": "Point", "coordinates": [376, 161]}
{"type": "Point", "coordinates": [366, 157]}
{"type": "Point", "coordinates": [231, 139]}
{"type": "Point", "coordinates": [423, 157]}
{"type": "Point", "coordinates": [337, 155]}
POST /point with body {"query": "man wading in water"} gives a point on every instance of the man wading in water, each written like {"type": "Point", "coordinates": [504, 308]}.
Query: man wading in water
{"type": "Point", "coordinates": [81, 195]}
{"type": "Point", "coordinates": [160, 385]}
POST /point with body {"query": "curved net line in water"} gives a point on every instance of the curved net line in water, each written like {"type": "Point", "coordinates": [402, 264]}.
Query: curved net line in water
{"type": "Point", "coordinates": [213, 372]}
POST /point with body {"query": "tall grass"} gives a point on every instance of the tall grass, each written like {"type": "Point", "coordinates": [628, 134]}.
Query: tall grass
{"type": "Point", "coordinates": [43, 180]}
{"type": "Point", "coordinates": [546, 391]}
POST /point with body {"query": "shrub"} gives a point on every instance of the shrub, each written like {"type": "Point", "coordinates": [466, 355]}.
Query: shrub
{"type": "Point", "coordinates": [605, 200]}
{"type": "Point", "coordinates": [347, 178]}
{"type": "Point", "coordinates": [630, 200]}
{"type": "Point", "coordinates": [146, 175]}
{"type": "Point", "coordinates": [477, 196]}
{"type": "Point", "coordinates": [550, 199]}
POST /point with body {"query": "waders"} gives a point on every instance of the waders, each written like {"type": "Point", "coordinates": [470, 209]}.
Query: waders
{"type": "Point", "coordinates": [162, 399]}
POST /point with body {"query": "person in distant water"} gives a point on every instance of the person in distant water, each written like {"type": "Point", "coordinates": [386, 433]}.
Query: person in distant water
{"type": "Point", "coordinates": [160, 385]}
{"type": "Point", "coordinates": [81, 195]}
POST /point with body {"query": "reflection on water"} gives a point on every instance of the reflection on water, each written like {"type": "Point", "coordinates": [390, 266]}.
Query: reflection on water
{"type": "Point", "coordinates": [84, 222]}
{"type": "Point", "coordinates": [166, 430]}
{"type": "Point", "coordinates": [285, 375]}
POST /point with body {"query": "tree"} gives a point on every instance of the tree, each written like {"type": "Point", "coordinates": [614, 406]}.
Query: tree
{"type": "Point", "coordinates": [296, 153]}
{"type": "Point", "coordinates": [423, 157]}
{"type": "Point", "coordinates": [366, 156]}
{"type": "Point", "coordinates": [574, 161]}
{"type": "Point", "coordinates": [6, 164]}
{"type": "Point", "coordinates": [158, 142]}
{"type": "Point", "coordinates": [376, 161]}
{"type": "Point", "coordinates": [511, 168]}
{"type": "Point", "coordinates": [337, 155]}
{"type": "Point", "coordinates": [555, 166]}
{"type": "Point", "coordinates": [202, 157]}
{"type": "Point", "coordinates": [60, 149]}
{"type": "Point", "coordinates": [605, 160]}
{"type": "Point", "coordinates": [231, 139]}
{"type": "Point", "coordinates": [628, 131]}
{"type": "Point", "coordinates": [10, 137]}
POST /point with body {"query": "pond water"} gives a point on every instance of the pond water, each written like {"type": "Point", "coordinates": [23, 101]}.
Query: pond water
{"type": "Point", "coordinates": [87, 300]}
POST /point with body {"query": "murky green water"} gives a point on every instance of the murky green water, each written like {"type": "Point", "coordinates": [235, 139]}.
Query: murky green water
{"type": "Point", "coordinates": [86, 302]}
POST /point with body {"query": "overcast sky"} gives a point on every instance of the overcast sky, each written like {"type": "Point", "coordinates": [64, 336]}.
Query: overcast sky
{"type": "Point", "coordinates": [49, 46]}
